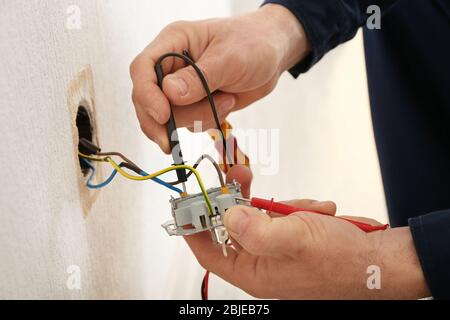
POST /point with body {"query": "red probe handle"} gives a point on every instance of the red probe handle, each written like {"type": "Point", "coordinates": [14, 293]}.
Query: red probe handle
{"type": "Point", "coordinates": [285, 209]}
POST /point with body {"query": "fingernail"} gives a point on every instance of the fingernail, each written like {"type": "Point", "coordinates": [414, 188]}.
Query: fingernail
{"type": "Point", "coordinates": [227, 104]}
{"type": "Point", "coordinates": [237, 221]}
{"type": "Point", "coordinates": [179, 84]}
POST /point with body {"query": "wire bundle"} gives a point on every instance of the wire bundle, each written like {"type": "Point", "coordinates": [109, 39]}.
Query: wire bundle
{"type": "Point", "coordinates": [142, 175]}
{"type": "Point", "coordinates": [113, 175]}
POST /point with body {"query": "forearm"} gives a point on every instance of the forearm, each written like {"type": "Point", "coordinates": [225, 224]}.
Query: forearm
{"type": "Point", "coordinates": [401, 273]}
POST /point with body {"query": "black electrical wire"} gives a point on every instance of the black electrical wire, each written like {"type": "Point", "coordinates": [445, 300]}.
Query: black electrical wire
{"type": "Point", "coordinates": [88, 146]}
{"type": "Point", "coordinates": [129, 164]}
{"type": "Point", "coordinates": [186, 57]}
{"type": "Point", "coordinates": [132, 167]}
{"type": "Point", "coordinates": [95, 150]}
{"type": "Point", "coordinates": [216, 166]}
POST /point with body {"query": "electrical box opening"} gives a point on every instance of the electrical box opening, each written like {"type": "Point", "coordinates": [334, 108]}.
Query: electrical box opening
{"type": "Point", "coordinates": [85, 130]}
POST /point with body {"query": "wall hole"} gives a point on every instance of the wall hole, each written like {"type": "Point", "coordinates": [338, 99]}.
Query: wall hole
{"type": "Point", "coordinates": [85, 130]}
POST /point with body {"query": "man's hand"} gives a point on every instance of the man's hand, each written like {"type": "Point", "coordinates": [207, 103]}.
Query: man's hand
{"type": "Point", "coordinates": [242, 59]}
{"type": "Point", "coordinates": [310, 256]}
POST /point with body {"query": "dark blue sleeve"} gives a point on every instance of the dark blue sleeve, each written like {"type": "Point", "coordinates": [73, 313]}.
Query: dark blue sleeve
{"type": "Point", "coordinates": [328, 23]}
{"type": "Point", "coordinates": [431, 234]}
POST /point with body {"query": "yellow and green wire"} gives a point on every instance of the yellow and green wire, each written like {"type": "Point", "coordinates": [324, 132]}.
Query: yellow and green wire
{"type": "Point", "coordinates": [145, 177]}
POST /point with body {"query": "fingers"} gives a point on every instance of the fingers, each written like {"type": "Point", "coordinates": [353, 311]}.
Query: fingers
{"type": "Point", "coordinates": [210, 255]}
{"type": "Point", "coordinates": [153, 130]}
{"type": "Point", "coordinates": [327, 207]}
{"type": "Point", "coordinates": [235, 245]}
{"type": "Point", "coordinates": [147, 96]}
{"type": "Point", "coordinates": [261, 235]}
{"type": "Point", "coordinates": [183, 87]}
{"type": "Point", "coordinates": [152, 106]}
{"type": "Point", "coordinates": [236, 268]}
{"type": "Point", "coordinates": [247, 98]}
{"type": "Point", "coordinates": [186, 116]}
{"type": "Point", "coordinates": [243, 175]}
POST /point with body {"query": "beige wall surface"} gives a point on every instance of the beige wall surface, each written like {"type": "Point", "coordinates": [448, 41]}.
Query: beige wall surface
{"type": "Point", "coordinates": [120, 247]}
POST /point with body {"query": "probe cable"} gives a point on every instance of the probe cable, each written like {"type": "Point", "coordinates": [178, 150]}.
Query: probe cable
{"type": "Point", "coordinates": [204, 288]}
{"type": "Point", "coordinates": [215, 164]}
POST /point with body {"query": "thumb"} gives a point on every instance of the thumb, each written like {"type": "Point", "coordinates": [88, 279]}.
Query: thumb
{"type": "Point", "coordinates": [184, 86]}
{"type": "Point", "coordinates": [259, 234]}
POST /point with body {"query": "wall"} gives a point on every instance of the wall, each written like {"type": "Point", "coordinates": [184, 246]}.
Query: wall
{"type": "Point", "coordinates": [119, 245]}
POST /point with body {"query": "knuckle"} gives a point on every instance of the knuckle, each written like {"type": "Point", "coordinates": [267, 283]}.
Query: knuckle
{"type": "Point", "coordinates": [136, 97]}
{"type": "Point", "coordinates": [270, 86]}
{"type": "Point", "coordinates": [308, 226]}
{"type": "Point", "coordinates": [143, 128]}
{"type": "Point", "coordinates": [332, 206]}
{"type": "Point", "coordinates": [134, 66]}
{"type": "Point", "coordinates": [147, 130]}
{"type": "Point", "coordinates": [176, 26]}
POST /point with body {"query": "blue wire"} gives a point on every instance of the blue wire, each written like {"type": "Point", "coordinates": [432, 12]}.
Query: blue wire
{"type": "Point", "coordinates": [113, 175]}
{"type": "Point", "coordinates": [91, 177]}
{"type": "Point", "coordinates": [103, 184]}
{"type": "Point", "coordinates": [163, 183]}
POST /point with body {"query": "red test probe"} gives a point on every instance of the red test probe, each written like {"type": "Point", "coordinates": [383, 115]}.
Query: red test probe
{"type": "Point", "coordinates": [285, 209]}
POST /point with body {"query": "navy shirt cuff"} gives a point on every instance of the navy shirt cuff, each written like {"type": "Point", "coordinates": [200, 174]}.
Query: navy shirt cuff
{"type": "Point", "coordinates": [328, 23]}
{"type": "Point", "coordinates": [431, 234]}
{"type": "Point", "coordinates": [326, 26]}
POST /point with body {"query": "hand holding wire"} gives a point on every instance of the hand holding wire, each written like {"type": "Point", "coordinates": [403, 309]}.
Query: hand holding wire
{"type": "Point", "coordinates": [285, 209]}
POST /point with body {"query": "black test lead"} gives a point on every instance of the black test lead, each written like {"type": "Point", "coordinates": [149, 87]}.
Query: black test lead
{"type": "Point", "coordinates": [174, 142]}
